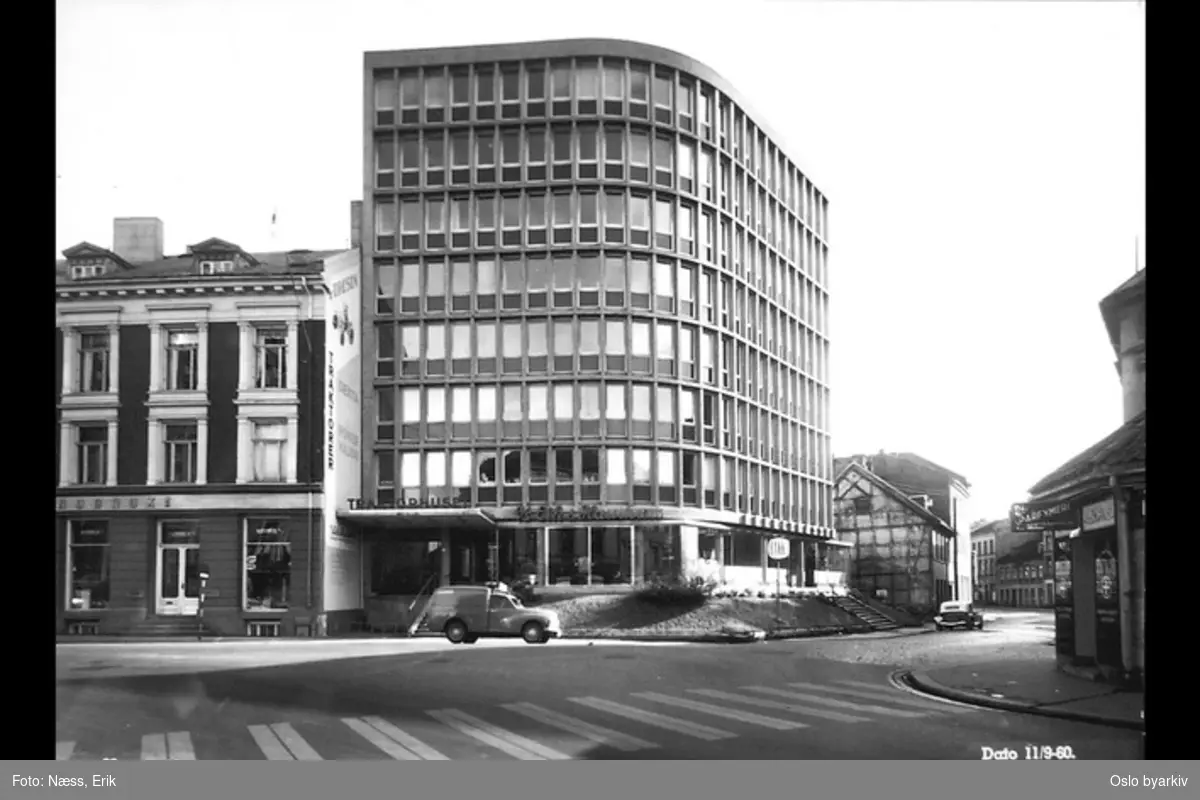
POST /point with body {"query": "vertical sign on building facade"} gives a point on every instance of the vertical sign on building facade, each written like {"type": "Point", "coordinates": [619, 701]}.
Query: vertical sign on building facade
{"type": "Point", "coordinates": [343, 427]}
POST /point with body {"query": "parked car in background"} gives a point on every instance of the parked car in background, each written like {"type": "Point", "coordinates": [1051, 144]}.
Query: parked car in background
{"type": "Point", "coordinates": [958, 614]}
{"type": "Point", "coordinates": [467, 613]}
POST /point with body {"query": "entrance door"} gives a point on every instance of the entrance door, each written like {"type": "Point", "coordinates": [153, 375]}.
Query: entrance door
{"type": "Point", "coordinates": [179, 580]}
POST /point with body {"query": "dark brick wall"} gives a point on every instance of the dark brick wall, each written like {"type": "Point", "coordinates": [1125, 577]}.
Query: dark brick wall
{"type": "Point", "coordinates": [222, 410]}
{"type": "Point", "coordinates": [133, 384]}
{"type": "Point", "coordinates": [133, 540]}
{"type": "Point", "coordinates": [58, 387]}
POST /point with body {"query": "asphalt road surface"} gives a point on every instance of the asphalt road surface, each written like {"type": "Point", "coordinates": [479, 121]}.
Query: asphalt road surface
{"type": "Point", "coordinates": [324, 700]}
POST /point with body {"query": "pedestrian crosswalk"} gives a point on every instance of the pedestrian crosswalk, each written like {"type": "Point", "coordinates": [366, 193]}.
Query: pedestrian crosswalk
{"type": "Point", "coordinates": [525, 731]}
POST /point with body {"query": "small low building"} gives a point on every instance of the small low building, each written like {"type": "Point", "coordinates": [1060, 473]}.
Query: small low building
{"type": "Point", "coordinates": [1094, 507]}
{"type": "Point", "coordinates": [900, 551]}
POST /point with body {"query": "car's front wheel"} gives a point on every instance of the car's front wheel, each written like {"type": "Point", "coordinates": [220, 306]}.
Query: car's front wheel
{"type": "Point", "coordinates": [456, 632]}
{"type": "Point", "coordinates": [532, 633]}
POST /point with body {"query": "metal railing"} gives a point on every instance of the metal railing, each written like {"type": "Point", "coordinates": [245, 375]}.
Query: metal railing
{"type": "Point", "coordinates": [416, 620]}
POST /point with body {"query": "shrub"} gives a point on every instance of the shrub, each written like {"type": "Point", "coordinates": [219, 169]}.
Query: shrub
{"type": "Point", "coordinates": [689, 592]}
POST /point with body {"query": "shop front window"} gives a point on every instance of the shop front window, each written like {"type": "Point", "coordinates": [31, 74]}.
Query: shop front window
{"type": "Point", "coordinates": [657, 553]}
{"type": "Point", "coordinates": [88, 565]}
{"type": "Point", "coordinates": [589, 556]}
{"type": "Point", "coordinates": [268, 566]}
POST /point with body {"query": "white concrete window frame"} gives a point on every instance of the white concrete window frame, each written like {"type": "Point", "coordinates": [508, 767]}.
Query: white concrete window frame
{"type": "Point", "coordinates": [254, 523]}
{"type": "Point", "coordinates": [75, 322]}
{"type": "Point", "coordinates": [267, 315]}
{"type": "Point", "coordinates": [215, 267]}
{"type": "Point", "coordinates": [156, 450]}
{"type": "Point", "coordinates": [255, 404]}
{"type": "Point", "coordinates": [73, 525]}
{"type": "Point", "coordinates": [248, 420]}
{"type": "Point", "coordinates": [68, 467]}
{"type": "Point", "coordinates": [163, 319]}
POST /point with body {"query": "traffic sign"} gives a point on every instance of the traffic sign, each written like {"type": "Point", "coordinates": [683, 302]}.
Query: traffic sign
{"type": "Point", "coordinates": [779, 548]}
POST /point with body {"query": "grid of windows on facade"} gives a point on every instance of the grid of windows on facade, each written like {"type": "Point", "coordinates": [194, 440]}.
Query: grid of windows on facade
{"type": "Point", "coordinates": [626, 234]}
{"type": "Point", "coordinates": [572, 475]}
{"type": "Point", "coordinates": [697, 142]}
{"type": "Point", "coordinates": [576, 298]}
{"type": "Point", "coordinates": [178, 366]}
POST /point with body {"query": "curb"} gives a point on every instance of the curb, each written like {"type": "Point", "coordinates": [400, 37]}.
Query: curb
{"type": "Point", "coordinates": [923, 683]}
{"type": "Point", "coordinates": [700, 638]}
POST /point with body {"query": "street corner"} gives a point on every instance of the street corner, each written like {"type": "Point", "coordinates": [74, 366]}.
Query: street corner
{"type": "Point", "coordinates": [1097, 710]}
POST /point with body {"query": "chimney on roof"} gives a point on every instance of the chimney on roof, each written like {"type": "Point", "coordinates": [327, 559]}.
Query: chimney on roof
{"type": "Point", "coordinates": [355, 224]}
{"type": "Point", "coordinates": [138, 239]}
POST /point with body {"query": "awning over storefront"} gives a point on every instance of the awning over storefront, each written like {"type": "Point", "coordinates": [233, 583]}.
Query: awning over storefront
{"type": "Point", "coordinates": [413, 518]}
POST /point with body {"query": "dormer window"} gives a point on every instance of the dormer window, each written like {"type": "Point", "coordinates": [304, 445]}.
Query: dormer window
{"type": "Point", "coordinates": [86, 271]}
{"type": "Point", "coordinates": [215, 267]}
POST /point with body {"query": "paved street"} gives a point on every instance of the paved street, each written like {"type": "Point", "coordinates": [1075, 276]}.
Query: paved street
{"type": "Point", "coordinates": [427, 700]}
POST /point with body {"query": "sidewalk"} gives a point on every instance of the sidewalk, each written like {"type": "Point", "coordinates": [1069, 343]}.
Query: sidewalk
{"type": "Point", "coordinates": [572, 635]}
{"type": "Point", "coordinates": [1034, 688]}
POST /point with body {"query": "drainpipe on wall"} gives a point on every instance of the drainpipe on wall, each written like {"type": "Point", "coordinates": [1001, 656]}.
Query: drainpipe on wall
{"type": "Point", "coordinates": [1125, 579]}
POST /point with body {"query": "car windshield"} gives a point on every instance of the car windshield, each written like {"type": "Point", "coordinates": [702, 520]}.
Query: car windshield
{"type": "Point", "coordinates": [513, 599]}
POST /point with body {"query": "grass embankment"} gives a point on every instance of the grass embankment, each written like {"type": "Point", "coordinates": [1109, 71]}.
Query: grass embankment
{"type": "Point", "coordinates": [629, 614]}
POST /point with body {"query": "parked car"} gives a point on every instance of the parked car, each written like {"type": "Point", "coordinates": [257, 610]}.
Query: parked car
{"type": "Point", "coordinates": [958, 614]}
{"type": "Point", "coordinates": [467, 613]}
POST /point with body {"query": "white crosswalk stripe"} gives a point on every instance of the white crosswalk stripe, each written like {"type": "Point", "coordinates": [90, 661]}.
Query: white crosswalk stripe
{"type": "Point", "coordinates": [781, 705]}
{"type": "Point", "coordinates": [175, 746]}
{"type": "Point", "coordinates": [269, 743]}
{"type": "Point", "coordinates": [294, 742]}
{"type": "Point", "coordinates": [380, 740]}
{"type": "Point", "coordinates": [693, 729]}
{"type": "Point", "coordinates": [838, 703]}
{"type": "Point", "coordinates": [514, 744]}
{"type": "Point", "coordinates": [409, 741]}
{"type": "Point", "coordinates": [749, 717]}
{"type": "Point", "coordinates": [154, 747]}
{"type": "Point", "coordinates": [179, 746]}
{"type": "Point", "coordinates": [880, 694]}
{"type": "Point", "coordinates": [63, 751]}
{"type": "Point", "coordinates": [596, 733]}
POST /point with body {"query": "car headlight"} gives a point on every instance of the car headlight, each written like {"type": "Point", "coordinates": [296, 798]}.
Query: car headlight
{"type": "Point", "coordinates": [938, 618]}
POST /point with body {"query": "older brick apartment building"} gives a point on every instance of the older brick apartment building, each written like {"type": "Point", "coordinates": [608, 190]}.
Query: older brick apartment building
{"type": "Point", "coordinates": [189, 435]}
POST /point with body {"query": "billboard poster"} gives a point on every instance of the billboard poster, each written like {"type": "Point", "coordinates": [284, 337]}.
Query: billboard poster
{"type": "Point", "coordinates": [1108, 605]}
{"type": "Point", "coordinates": [1064, 595]}
{"type": "Point", "coordinates": [343, 427]}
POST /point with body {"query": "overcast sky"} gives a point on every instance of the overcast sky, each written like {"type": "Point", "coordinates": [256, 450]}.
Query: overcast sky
{"type": "Point", "coordinates": [984, 163]}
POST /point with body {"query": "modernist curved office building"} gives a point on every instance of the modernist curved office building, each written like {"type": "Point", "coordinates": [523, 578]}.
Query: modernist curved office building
{"type": "Point", "coordinates": [595, 326]}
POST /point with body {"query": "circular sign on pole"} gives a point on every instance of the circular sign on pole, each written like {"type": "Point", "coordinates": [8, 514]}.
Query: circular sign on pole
{"type": "Point", "coordinates": [779, 548]}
